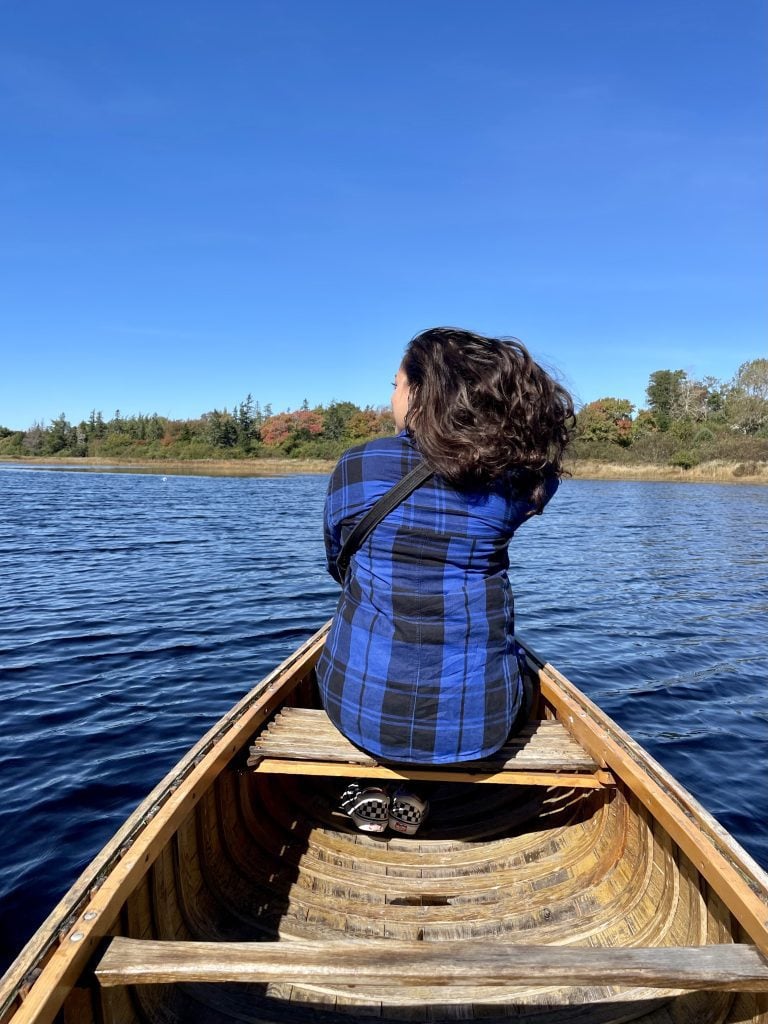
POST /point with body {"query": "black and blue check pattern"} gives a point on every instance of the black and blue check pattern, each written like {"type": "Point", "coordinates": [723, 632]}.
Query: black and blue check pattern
{"type": "Point", "coordinates": [420, 665]}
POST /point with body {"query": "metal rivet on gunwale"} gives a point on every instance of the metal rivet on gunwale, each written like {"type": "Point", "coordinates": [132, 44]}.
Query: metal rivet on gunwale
{"type": "Point", "coordinates": [89, 915]}
{"type": "Point", "coordinates": [76, 936]}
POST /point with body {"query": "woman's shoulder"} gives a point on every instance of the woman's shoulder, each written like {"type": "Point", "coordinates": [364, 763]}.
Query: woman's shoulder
{"type": "Point", "coordinates": [382, 446]}
{"type": "Point", "coordinates": [520, 483]}
{"type": "Point", "coordinates": [516, 491]}
{"type": "Point", "coordinates": [383, 456]}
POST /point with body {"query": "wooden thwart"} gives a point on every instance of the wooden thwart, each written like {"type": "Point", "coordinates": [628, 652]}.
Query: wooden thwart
{"type": "Point", "coordinates": [303, 741]}
{"type": "Point", "coordinates": [406, 964]}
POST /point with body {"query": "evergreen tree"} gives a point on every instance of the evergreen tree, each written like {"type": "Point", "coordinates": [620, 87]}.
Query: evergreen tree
{"type": "Point", "coordinates": [245, 422]}
{"type": "Point", "coordinates": [664, 393]}
{"type": "Point", "coordinates": [335, 419]}
{"type": "Point", "coordinates": [59, 435]}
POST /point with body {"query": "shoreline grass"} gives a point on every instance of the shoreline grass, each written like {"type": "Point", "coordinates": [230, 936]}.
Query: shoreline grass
{"type": "Point", "coordinates": [718, 471]}
{"type": "Point", "coordinates": [176, 467]}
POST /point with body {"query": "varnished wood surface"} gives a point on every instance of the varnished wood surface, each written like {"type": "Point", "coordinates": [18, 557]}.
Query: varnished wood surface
{"type": "Point", "coordinates": [269, 859]}
{"type": "Point", "coordinates": [519, 777]}
{"type": "Point", "coordinates": [229, 856]}
{"type": "Point", "coordinates": [724, 864]}
{"type": "Point", "coordinates": [35, 985]}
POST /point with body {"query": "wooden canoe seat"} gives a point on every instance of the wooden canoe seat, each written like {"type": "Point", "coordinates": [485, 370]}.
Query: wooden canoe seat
{"type": "Point", "coordinates": [302, 741]}
{"type": "Point", "coordinates": [148, 962]}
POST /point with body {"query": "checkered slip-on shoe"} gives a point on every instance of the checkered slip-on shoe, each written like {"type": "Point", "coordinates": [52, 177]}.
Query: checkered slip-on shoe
{"type": "Point", "coordinates": [406, 812]}
{"type": "Point", "coordinates": [370, 810]}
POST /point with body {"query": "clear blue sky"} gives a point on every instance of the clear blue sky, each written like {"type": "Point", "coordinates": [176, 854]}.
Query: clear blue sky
{"type": "Point", "coordinates": [203, 199]}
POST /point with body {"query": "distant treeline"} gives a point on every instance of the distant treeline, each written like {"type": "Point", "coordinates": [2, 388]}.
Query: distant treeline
{"type": "Point", "coordinates": [686, 422]}
{"type": "Point", "coordinates": [247, 431]}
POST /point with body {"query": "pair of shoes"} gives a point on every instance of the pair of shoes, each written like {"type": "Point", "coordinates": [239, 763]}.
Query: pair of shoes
{"type": "Point", "coordinates": [373, 809]}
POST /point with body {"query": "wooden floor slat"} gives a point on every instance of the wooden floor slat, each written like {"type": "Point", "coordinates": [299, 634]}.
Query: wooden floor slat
{"type": "Point", "coordinates": [724, 967]}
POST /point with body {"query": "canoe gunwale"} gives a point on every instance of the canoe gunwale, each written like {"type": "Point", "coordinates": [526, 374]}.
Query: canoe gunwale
{"type": "Point", "coordinates": [90, 906]}
{"type": "Point", "coordinates": [737, 879]}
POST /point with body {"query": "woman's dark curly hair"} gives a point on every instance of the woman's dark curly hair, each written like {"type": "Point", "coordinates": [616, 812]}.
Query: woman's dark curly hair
{"type": "Point", "coordinates": [482, 411]}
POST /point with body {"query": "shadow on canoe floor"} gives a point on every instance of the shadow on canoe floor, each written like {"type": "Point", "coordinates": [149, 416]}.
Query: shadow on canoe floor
{"type": "Point", "coordinates": [249, 1004]}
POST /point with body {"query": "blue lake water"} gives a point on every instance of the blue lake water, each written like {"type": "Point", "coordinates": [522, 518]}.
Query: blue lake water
{"type": "Point", "coordinates": [135, 609]}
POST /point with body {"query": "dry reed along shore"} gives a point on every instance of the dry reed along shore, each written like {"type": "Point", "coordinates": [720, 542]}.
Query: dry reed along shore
{"type": "Point", "coordinates": [583, 469]}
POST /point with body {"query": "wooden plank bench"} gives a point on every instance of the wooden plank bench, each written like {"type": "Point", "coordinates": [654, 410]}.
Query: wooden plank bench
{"type": "Point", "coordinates": [303, 741]}
{"type": "Point", "coordinates": [149, 962]}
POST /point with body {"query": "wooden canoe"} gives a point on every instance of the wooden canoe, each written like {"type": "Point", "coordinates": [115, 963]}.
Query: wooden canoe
{"type": "Point", "coordinates": [579, 882]}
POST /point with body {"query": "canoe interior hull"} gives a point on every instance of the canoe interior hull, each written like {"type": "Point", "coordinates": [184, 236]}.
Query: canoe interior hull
{"type": "Point", "coordinates": [269, 857]}
{"type": "Point", "coordinates": [263, 857]}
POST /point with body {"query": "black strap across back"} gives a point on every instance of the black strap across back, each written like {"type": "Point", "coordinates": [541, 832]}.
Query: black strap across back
{"type": "Point", "coordinates": [386, 503]}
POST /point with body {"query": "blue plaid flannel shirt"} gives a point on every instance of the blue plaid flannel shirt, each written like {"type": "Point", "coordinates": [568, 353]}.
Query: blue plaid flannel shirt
{"type": "Point", "coordinates": [420, 664]}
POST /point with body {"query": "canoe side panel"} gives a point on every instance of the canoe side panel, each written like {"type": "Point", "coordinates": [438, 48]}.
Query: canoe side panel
{"type": "Point", "coordinates": [111, 876]}
{"type": "Point", "coordinates": [726, 866]}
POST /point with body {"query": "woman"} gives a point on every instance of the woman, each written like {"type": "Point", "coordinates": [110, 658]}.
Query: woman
{"type": "Point", "coordinates": [420, 662]}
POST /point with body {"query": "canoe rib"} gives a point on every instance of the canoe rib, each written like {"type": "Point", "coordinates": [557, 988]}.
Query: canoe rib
{"type": "Point", "coordinates": [303, 741]}
{"type": "Point", "coordinates": [733, 874]}
{"type": "Point", "coordinates": [139, 962]}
